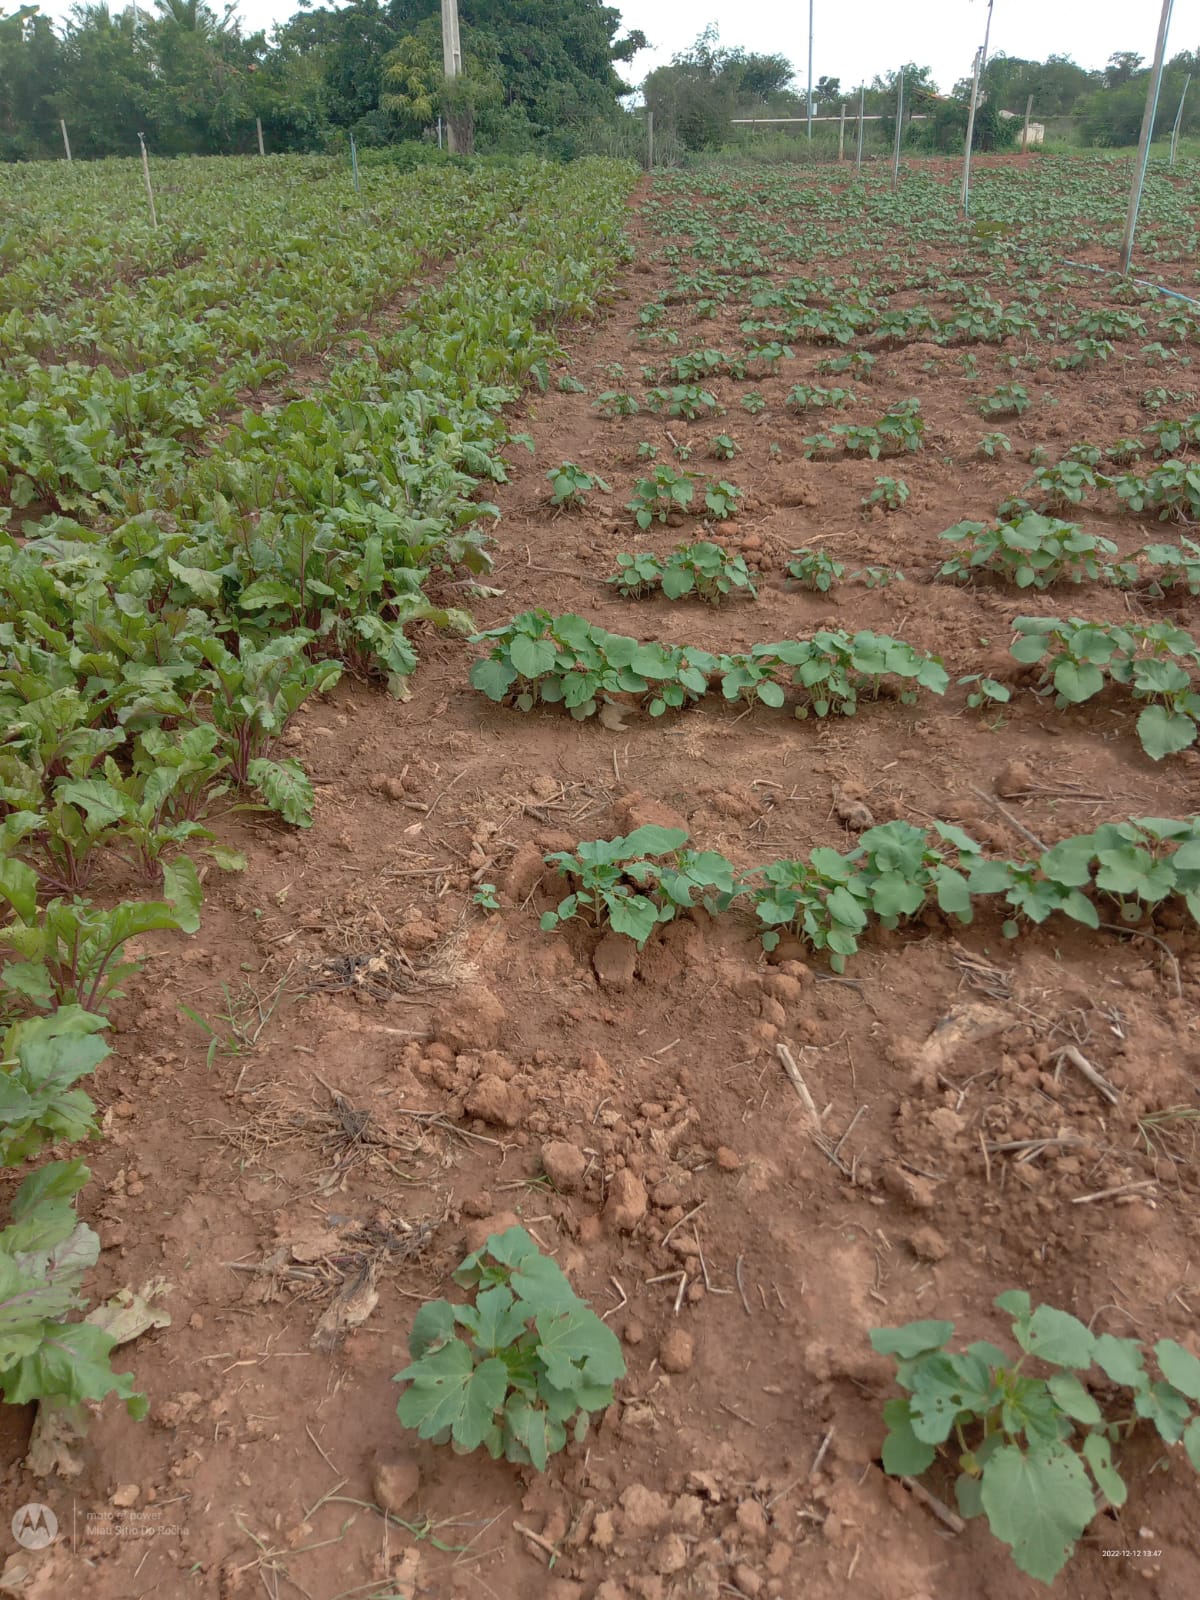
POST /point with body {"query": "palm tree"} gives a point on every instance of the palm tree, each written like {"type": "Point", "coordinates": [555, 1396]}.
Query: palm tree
{"type": "Point", "coordinates": [193, 16]}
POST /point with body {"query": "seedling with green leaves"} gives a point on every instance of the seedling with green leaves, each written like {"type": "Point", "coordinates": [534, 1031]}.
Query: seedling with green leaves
{"type": "Point", "coordinates": [685, 400]}
{"type": "Point", "coordinates": [658, 497]}
{"type": "Point", "coordinates": [1152, 659]}
{"type": "Point", "coordinates": [888, 493]}
{"type": "Point", "coordinates": [1032, 1450]}
{"type": "Point", "coordinates": [570, 485]}
{"type": "Point", "coordinates": [516, 1370]}
{"type": "Point", "coordinates": [722, 447]}
{"type": "Point", "coordinates": [616, 403]}
{"type": "Point", "coordinates": [1033, 551]}
{"type": "Point", "coordinates": [815, 397]}
{"type": "Point", "coordinates": [1006, 400]}
{"type": "Point", "coordinates": [703, 569]}
{"type": "Point", "coordinates": [816, 570]}
{"type": "Point", "coordinates": [632, 884]}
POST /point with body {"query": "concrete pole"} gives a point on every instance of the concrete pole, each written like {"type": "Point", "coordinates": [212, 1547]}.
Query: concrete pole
{"type": "Point", "coordinates": [842, 135]}
{"type": "Point", "coordinates": [1028, 113]}
{"type": "Point", "coordinates": [1143, 155]}
{"type": "Point", "coordinates": [451, 58]}
{"type": "Point", "coordinates": [980, 64]}
{"type": "Point", "coordinates": [258, 130]}
{"type": "Point", "coordinates": [1174, 130]}
{"type": "Point", "coordinates": [810, 56]}
{"type": "Point", "coordinates": [67, 143]}
{"type": "Point", "coordinates": [149, 186]}
{"type": "Point", "coordinates": [965, 194]}
{"type": "Point", "coordinates": [862, 98]}
{"type": "Point", "coordinates": [899, 128]}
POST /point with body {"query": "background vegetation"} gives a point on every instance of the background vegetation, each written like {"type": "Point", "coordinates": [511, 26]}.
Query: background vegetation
{"type": "Point", "coordinates": [535, 79]}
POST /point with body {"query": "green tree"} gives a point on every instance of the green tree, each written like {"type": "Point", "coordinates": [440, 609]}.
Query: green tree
{"type": "Point", "coordinates": [107, 81]}
{"type": "Point", "coordinates": [705, 87]}
{"type": "Point", "coordinates": [30, 73]}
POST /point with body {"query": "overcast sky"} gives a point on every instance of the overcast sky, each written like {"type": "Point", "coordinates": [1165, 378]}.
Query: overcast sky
{"type": "Point", "coordinates": [854, 41]}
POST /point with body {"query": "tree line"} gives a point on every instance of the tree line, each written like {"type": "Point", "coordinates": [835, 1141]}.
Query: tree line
{"type": "Point", "coordinates": [193, 82]}
{"type": "Point", "coordinates": [703, 88]}
{"type": "Point", "coordinates": [535, 78]}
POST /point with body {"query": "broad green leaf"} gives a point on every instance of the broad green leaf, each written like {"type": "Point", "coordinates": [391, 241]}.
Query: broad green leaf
{"type": "Point", "coordinates": [1077, 681]}
{"type": "Point", "coordinates": [181, 888]}
{"type": "Point", "coordinates": [1097, 1452]}
{"type": "Point", "coordinates": [578, 1348]}
{"type": "Point", "coordinates": [1179, 1367]}
{"type": "Point", "coordinates": [266, 592]}
{"type": "Point", "coordinates": [1038, 1503]}
{"type": "Point", "coordinates": [1162, 1404]}
{"type": "Point", "coordinates": [286, 789]}
{"type": "Point", "coordinates": [532, 1427]}
{"type": "Point", "coordinates": [493, 678]}
{"type": "Point", "coordinates": [447, 1390]}
{"type": "Point", "coordinates": [1164, 733]}
{"type": "Point", "coordinates": [495, 1320]}
{"type": "Point", "coordinates": [1191, 1442]}
{"type": "Point", "coordinates": [1057, 1336]}
{"type": "Point", "coordinates": [1074, 1399]}
{"type": "Point", "coordinates": [913, 1339]}
{"type": "Point", "coordinates": [904, 1455]}
{"type": "Point", "coordinates": [1120, 1359]}
{"type": "Point", "coordinates": [432, 1325]}
{"type": "Point", "coordinates": [507, 1249]}
{"type": "Point", "coordinates": [71, 1365]}
{"type": "Point", "coordinates": [542, 1286]}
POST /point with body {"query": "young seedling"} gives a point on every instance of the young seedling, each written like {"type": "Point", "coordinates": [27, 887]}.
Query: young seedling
{"type": "Point", "coordinates": [1006, 400]}
{"type": "Point", "coordinates": [631, 884]}
{"type": "Point", "coordinates": [994, 444]}
{"type": "Point", "coordinates": [1033, 1447]}
{"type": "Point", "coordinates": [722, 447]}
{"type": "Point", "coordinates": [703, 569]}
{"type": "Point", "coordinates": [570, 485]}
{"type": "Point", "coordinates": [816, 570]}
{"type": "Point", "coordinates": [889, 493]}
{"type": "Point", "coordinates": [1033, 551]}
{"type": "Point", "coordinates": [519, 1368]}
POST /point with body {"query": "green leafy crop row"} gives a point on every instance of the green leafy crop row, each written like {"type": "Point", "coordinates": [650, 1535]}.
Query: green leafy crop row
{"type": "Point", "coordinates": [566, 660]}
{"type": "Point", "coordinates": [896, 870]}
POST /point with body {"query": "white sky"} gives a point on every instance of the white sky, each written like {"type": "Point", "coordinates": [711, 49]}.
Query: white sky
{"type": "Point", "coordinates": [853, 41]}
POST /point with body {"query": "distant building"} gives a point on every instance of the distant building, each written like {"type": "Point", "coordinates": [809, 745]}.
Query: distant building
{"type": "Point", "coordinates": [1037, 130]}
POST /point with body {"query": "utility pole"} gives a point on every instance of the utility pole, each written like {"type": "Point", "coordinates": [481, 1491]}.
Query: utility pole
{"type": "Point", "coordinates": [810, 55]}
{"type": "Point", "coordinates": [258, 130]}
{"type": "Point", "coordinates": [149, 186]}
{"type": "Point", "coordinates": [1143, 155]}
{"type": "Point", "coordinates": [62, 122]}
{"type": "Point", "coordinates": [980, 64]}
{"type": "Point", "coordinates": [451, 59]}
{"type": "Point", "coordinates": [862, 98]}
{"type": "Point", "coordinates": [1174, 130]}
{"type": "Point", "coordinates": [1028, 113]}
{"type": "Point", "coordinates": [899, 135]}
{"type": "Point", "coordinates": [842, 134]}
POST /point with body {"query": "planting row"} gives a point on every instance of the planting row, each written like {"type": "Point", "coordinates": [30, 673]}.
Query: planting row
{"type": "Point", "coordinates": [565, 660]}
{"type": "Point", "coordinates": [650, 876]}
{"type": "Point", "coordinates": [148, 667]}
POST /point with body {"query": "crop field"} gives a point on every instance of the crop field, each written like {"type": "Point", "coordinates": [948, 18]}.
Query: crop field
{"type": "Point", "coordinates": [645, 728]}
